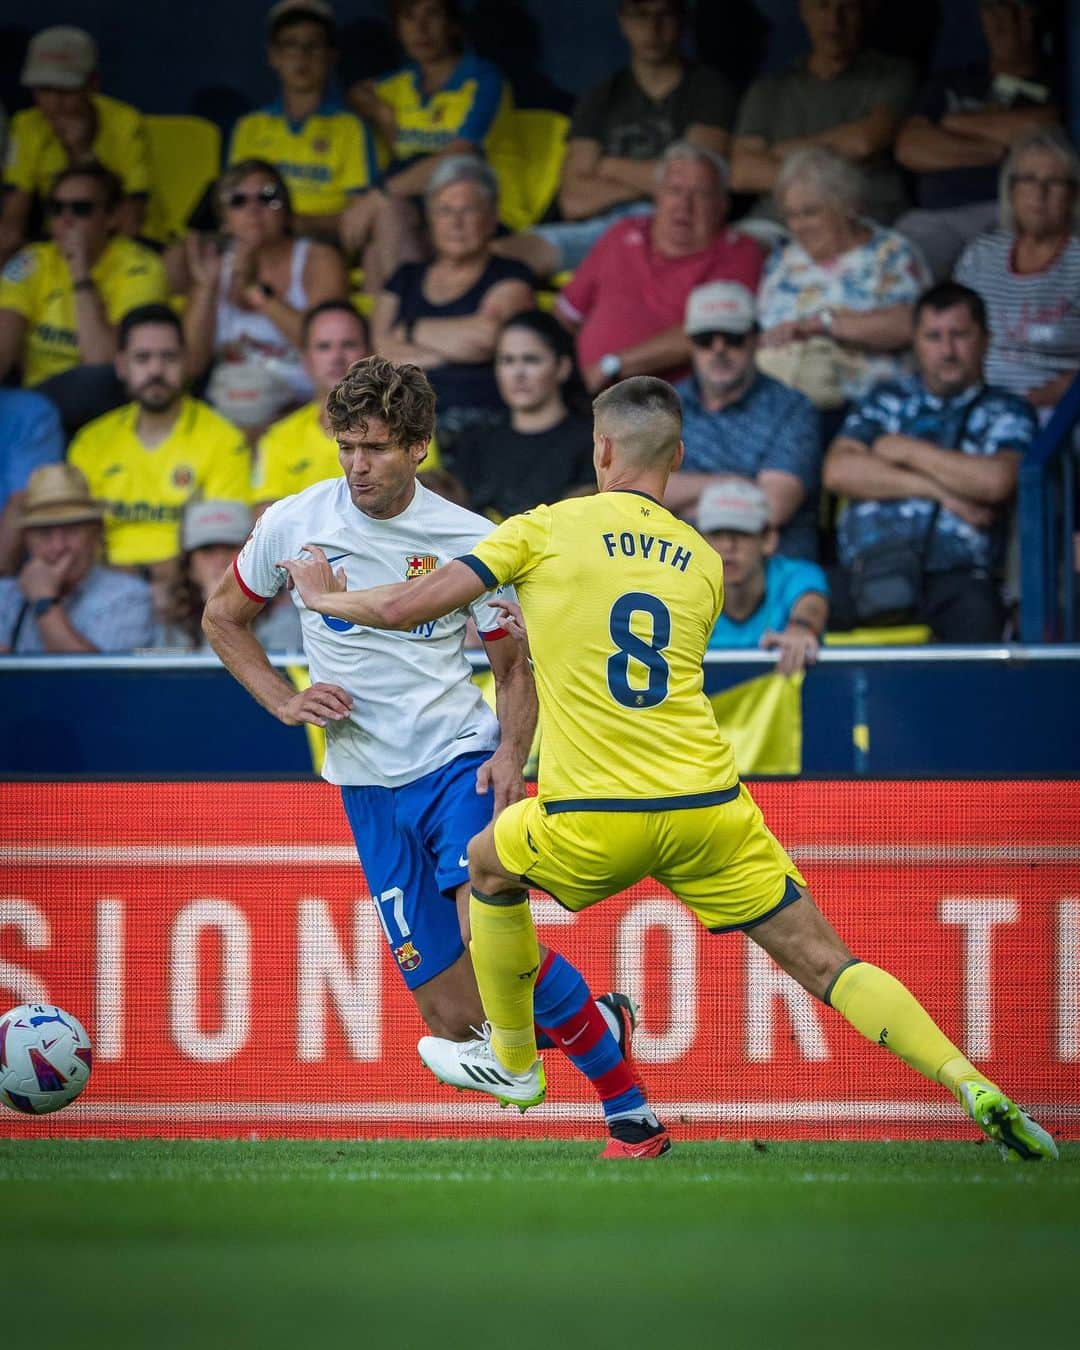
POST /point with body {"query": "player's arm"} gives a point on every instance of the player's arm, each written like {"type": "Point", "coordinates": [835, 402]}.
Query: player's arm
{"type": "Point", "coordinates": [400, 606]}
{"type": "Point", "coordinates": [227, 621]}
{"type": "Point", "coordinates": [515, 707]}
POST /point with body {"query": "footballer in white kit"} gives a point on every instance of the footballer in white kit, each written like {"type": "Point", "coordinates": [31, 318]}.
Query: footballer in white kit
{"type": "Point", "coordinates": [407, 755]}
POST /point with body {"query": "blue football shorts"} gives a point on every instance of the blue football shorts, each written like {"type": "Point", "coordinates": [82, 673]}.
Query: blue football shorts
{"type": "Point", "coordinates": [412, 842]}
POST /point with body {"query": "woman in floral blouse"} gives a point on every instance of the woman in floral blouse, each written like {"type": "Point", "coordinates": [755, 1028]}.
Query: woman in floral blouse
{"type": "Point", "coordinates": [836, 304]}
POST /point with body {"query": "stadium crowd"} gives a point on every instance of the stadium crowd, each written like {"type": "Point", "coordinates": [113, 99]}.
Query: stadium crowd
{"type": "Point", "coordinates": [866, 290]}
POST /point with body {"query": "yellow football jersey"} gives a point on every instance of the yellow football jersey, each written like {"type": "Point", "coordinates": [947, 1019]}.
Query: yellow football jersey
{"type": "Point", "coordinates": [619, 598]}
{"type": "Point", "coordinates": [296, 452]}
{"type": "Point", "coordinates": [36, 283]}
{"type": "Point", "coordinates": [322, 159]}
{"type": "Point", "coordinates": [145, 491]}
{"type": "Point", "coordinates": [465, 108]}
{"type": "Point", "coordinates": [35, 155]}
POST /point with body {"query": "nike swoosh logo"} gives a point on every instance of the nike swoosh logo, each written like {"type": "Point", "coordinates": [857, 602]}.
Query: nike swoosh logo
{"type": "Point", "coordinates": [338, 557]}
{"type": "Point", "coordinates": [463, 861]}
{"type": "Point", "coordinates": [569, 1040]}
{"type": "Point", "coordinates": [464, 735]}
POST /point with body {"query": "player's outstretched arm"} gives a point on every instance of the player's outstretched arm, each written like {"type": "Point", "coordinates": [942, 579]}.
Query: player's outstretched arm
{"type": "Point", "coordinates": [400, 606]}
{"type": "Point", "coordinates": [515, 707]}
{"type": "Point", "coordinates": [226, 623]}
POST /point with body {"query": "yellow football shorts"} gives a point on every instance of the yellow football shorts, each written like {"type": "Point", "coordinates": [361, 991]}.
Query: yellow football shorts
{"type": "Point", "coordinates": [721, 861]}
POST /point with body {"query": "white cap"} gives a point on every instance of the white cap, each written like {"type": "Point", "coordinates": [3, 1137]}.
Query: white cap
{"type": "Point", "coordinates": [59, 58]}
{"type": "Point", "coordinates": [720, 307]}
{"type": "Point", "coordinates": [208, 523]}
{"type": "Point", "coordinates": [734, 504]}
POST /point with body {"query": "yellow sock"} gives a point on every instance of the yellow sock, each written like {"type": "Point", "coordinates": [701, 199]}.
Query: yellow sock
{"type": "Point", "coordinates": [506, 958]}
{"type": "Point", "coordinates": [883, 1010]}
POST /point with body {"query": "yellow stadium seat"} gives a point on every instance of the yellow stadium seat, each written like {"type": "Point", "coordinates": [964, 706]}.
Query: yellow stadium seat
{"type": "Point", "coordinates": [185, 156]}
{"type": "Point", "coordinates": [903, 635]}
{"type": "Point", "coordinates": [526, 150]}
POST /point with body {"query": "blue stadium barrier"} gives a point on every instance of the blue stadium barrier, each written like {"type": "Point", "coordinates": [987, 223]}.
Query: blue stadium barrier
{"type": "Point", "coordinates": [921, 712]}
{"type": "Point", "coordinates": [1047, 522]}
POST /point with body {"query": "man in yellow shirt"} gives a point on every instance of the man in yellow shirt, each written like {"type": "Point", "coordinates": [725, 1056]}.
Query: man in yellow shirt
{"type": "Point", "coordinates": [321, 149]}
{"type": "Point", "coordinates": [60, 302]}
{"type": "Point", "coordinates": [146, 460]}
{"type": "Point", "coordinates": [635, 780]}
{"type": "Point", "coordinates": [71, 123]}
{"type": "Point", "coordinates": [301, 449]}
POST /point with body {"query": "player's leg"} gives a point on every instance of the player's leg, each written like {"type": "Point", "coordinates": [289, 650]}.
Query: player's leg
{"type": "Point", "coordinates": [801, 941]}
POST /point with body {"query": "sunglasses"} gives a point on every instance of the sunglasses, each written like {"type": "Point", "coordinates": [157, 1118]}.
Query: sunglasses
{"type": "Point", "coordinates": [80, 208]}
{"type": "Point", "coordinates": [266, 196]}
{"type": "Point", "coordinates": [706, 340]}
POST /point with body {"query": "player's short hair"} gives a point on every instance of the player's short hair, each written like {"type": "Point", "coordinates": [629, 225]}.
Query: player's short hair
{"type": "Point", "coordinates": [949, 294]}
{"type": "Point", "coordinates": [112, 192]}
{"type": "Point", "coordinates": [643, 416]}
{"type": "Point", "coordinates": [400, 396]}
{"type": "Point", "coordinates": [147, 314]}
{"type": "Point", "coordinates": [330, 307]}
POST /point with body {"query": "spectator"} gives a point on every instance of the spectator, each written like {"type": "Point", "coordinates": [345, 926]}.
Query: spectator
{"type": "Point", "coordinates": [63, 599]}
{"type": "Point", "coordinates": [445, 315]}
{"type": "Point", "coordinates": [246, 309]}
{"type": "Point", "coordinates": [300, 449]}
{"type": "Point", "coordinates": [627, 299]}
{"type": "Point", "coordinates": [836, 303]}
{"type": "Point", "coordinates": [769, 601]}
{"type": "Point", "coordinates": [621, 128]}
{"type": "Point", "coordinates": [841, 97]}
{"type": "Point", "coordinates": [1028, 271]}
{"type": "Point", "coordinates": [964, 123]}
{"type": "Point", "coordinates": [30, 436]}
{"type": "Point", "coordinates": [320, 149]}
{"type": "Point", "coordinates": [70, 126]}
{"type": "Point", "coordinates": [60, 302]}
{"type": "Point", "coordinates": [445, 101]}
{"type": "Point", "coordinates": [542, 451]}
{"type": "Point", "coordinates": [929, 464]}
{"type": "Point", "coordinates": [211, 534]}
{"type": "Point", "coordinates": [148, 459]}
{"type": "Point", "coordinates": [739, 422]}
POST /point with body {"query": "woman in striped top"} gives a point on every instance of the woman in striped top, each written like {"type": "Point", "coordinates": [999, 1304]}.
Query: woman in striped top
{"type": "Point", "coordinates": [1028, 271]}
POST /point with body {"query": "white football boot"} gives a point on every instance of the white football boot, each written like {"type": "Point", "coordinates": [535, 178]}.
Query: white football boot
{"type": "Point", "coordinates": [473, 1065]}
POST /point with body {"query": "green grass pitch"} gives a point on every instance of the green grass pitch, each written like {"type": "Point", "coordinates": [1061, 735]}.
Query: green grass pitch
{"type": "Point", "coordinates": [228, 1245]}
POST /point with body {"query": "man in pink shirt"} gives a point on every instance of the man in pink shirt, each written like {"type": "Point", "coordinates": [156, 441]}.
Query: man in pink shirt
{"type": "Point", "coordinates": [627, 299]}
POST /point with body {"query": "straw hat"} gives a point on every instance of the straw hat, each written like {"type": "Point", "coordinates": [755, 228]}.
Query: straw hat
{"type": "Point", "coordinates": [58, 494]}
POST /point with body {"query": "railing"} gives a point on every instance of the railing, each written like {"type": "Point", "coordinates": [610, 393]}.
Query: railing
{"type": "Point", "coordinates": [1047, 524]}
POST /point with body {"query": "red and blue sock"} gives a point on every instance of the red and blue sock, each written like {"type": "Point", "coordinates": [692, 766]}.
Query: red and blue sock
{"type": "Point", "coordinates": [568, 1019]}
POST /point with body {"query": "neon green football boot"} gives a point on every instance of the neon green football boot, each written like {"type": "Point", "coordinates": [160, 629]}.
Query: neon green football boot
{"type": "Point", "coordinates": [1008, 1125]}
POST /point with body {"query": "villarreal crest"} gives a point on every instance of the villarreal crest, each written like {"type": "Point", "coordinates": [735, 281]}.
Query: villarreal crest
{"type": "Point", "coordinates": [419, 564]}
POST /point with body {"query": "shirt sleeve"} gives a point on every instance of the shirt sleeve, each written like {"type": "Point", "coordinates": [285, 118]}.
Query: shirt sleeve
{"type": "Point", "coordinates": [488, 623]}
{"type": "Point", "coordinates": [1012, 425]}
{"type": "Point", "coordinates": [229, 477]}
{"type": "Point", "coordinates": [806, 578]}
{"type": "Point", "coordinates": [143, 285]}
{"type": "Point", "coordinates": [579, 295]}
{"type": "Point", "coordinates": [137, 177]}
{"type": "Point", "coordinates": [19, 281]}
{"type": "Point", "coordinates": [255, 565]}
{"type": "Point", "coordinates": [39, 440]}
{"type": "Point", "coordinates": [795, 447]}
{"type": "Point", "coordinates": [755, 116]}
{"type": "Point", "coordinates": [125, 622]}
{"type": "Point", "coordinates": [487, 100]}
{"type": "Point", "coordinates": [355, 169]}
{"type": "Point", "coordinates": [23, 148]}
{"type": "Point", "coordinates": [512, 549]}
{"type": "Point", "coordinates": [902, 277]}
{"type": "Point", "coordinates": [866, 422]}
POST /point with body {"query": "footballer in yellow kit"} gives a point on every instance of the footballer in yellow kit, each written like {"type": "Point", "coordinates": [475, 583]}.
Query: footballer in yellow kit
{"type": "Point", "coordinates": [635, 779]}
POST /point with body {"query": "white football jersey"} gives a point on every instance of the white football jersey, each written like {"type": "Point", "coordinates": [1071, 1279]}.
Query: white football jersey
{"type": "Point", "coordinates": [415, 707]}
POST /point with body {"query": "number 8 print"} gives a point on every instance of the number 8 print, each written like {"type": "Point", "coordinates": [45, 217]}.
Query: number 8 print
{"type": "Point", "coordinates": [629, 644]}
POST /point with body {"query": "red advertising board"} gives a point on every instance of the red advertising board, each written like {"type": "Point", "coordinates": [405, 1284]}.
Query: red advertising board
{"type": "Point", "coordinates": [219, 943]}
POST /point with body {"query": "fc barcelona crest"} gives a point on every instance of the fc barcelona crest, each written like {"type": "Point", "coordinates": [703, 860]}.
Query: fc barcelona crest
{"type": "Point", "coordinates": [408, 958]}
{"type": "Point", "coordinates": [419, 564]}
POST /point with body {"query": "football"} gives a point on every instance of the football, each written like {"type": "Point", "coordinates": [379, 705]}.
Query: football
{"type": "Point", "coordinates": [44, 1058]}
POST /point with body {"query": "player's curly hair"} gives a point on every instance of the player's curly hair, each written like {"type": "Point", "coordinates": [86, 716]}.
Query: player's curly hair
{"type": "Point", "coordinates": [400, 396]}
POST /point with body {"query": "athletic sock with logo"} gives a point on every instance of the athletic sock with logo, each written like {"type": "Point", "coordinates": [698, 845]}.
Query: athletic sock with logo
{"type": "Point", "coordinates": [506, 959]}
{"type": "Point", "coordinates": [567, 1016]}
{"type": "Point", "coordinates": [884, 1011]}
